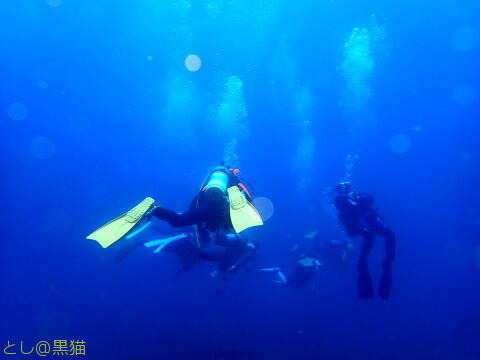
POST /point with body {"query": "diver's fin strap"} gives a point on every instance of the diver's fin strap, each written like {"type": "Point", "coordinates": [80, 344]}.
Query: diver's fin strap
{"type": "Point", "coordinates": [140, 210]}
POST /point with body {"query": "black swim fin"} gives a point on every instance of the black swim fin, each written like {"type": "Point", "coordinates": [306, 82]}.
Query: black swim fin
{"type": "Point", "coordinates": [385, 285]}
{"type": "Point", "coordinates": [365, 285]}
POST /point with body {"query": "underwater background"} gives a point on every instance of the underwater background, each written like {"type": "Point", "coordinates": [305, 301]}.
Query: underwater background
{"type": "Point", "coordinates": [105, 102]}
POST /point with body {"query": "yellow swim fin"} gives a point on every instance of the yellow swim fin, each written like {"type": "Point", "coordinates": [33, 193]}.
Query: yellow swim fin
{"type": "Point", "coordinates": [119, 227]}
{"type": "Point", "coordinates": [242, 213]}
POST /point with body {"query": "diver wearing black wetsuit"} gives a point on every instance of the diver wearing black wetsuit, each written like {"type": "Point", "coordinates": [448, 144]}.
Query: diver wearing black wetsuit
{"type": "Point", "coordinates": [212, 213]}
{"type": "Point", "coordinates": [359, 218]}
{"type": "Point", "coordinates": [303, 273]}
{"type": "Point", "coordinates": [210, 208]}
{"type": "Point", "coordinates": [231, 252]}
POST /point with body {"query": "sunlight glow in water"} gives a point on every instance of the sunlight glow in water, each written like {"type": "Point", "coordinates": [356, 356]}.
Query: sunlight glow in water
{"type": "Point", "coordinates": [212, 9]}
{"type": "Point", "coordinates": [350, 163]}
{"type": "Point", "coordinates": [304, 157]}
{"type": "Point", "coordinates": [17, 111]}
{"type": "Point", "coordinates": [193, 62]}
{"type": "Point", "coordinates": [399, 144]}
{"type": "Point", "coordinates": [228, 118]}
{"type": "Point", "coordinates": [464, 94]}
{"type": "Point", "coordinates": [179, 111]}
{"type": "Point", "coordinates": [42, 147]}
{"type": "Point", "coordinates": [465, 39]}
{"type": "Point", "coordinates": [358, 67]}
{"type": "Point", "coordinates": [232, 108]}
{"type": "Point", "coordinates": [264, 206]}
{"type": "Point", "coordinates": [231, 154]}
{"type": "Point", "coordinates": [42, 85]}
{"type": "Point", "coordinates": [54, 3]}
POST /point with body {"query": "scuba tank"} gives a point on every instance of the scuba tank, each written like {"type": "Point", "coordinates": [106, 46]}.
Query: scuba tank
{"type": "Point", "coordinates": [216, 184]}
{"type": "Point", "coordinates": [216, 187]}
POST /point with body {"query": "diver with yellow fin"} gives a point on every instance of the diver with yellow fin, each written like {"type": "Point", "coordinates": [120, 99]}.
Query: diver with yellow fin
{"type": "Point", "coordinates": [222, 203]}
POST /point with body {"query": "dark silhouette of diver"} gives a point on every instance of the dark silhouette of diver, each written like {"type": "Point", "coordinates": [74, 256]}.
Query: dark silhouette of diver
{"type": "Point", "coordinates": [230, 252]}
{"type": "Point", "coordinates": [304, 271]}
{"type": "Point", "coordinates": [209, 210]}
{"type": "Point", "coordinates": [358, 216]}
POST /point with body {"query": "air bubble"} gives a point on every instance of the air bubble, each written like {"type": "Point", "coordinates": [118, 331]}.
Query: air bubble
{"type": "Point", "coordinates": [42, 147]}
{"type": "Point", "coordinates": [399, 144]}
{"type": "Point", "coordinates": [193, 62]}
{"type": "Point", "coordinates": [17, 111]}
{"type": "Point", "coordinates": [42, 85]}
{"type": "Point", "coordinates": [54, 3]}
{"type": "Point", "coordinates": [264, 206]}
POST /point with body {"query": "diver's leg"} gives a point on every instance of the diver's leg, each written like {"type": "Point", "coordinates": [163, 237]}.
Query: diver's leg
{"type": "Point", "coordinates": [190, 217]}
{"type": "Point", "coordinates": [385, 285]}
{"type": "Point", "coordinates": [365, 286]}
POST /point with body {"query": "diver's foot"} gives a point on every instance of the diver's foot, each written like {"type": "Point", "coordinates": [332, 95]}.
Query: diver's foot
{"type": "Point", "coordinates": [365, 285]}
{"type": "Point", "coordinates": [385, 285]}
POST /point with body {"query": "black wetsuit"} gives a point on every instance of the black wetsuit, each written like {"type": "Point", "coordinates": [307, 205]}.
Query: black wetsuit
{"type": "Point", "coordinates": [360, 218]}
{"type": "Point", "coordinates": [230, 255]}
{"type": "Point", "coordinates": [210, 215]}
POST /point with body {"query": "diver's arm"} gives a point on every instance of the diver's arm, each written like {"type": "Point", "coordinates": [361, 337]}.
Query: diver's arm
{"type": "Point", "coordinates": [283, 280]}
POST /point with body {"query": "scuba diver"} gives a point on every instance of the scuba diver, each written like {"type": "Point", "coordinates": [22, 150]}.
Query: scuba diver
{"type": "Point", "coordinates": [222, 203]}
{"type": "Point", "coordinates": [358, 216]}
{"type": "Point", "coordinates": [230, 252]}
{"type": "Point", "coordinates": [209, 210]}
{"type": "Point", "coordinates": [306, 267]}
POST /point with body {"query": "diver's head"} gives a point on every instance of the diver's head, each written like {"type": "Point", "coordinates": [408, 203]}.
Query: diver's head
{"type": "Point", "coordinates": [344, 187]}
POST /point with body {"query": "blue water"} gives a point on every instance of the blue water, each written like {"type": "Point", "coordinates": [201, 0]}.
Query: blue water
{"type": "Point", "coordinates": [98, 109]}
